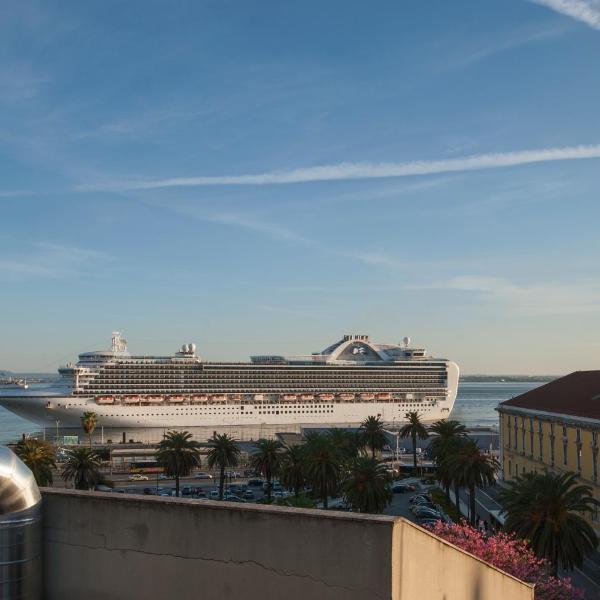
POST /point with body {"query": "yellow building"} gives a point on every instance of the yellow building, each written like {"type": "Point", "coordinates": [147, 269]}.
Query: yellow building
{"type": "Point", "coordinates": [554, 427]}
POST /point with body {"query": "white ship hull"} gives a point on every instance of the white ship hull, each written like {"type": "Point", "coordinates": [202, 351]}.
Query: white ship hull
{"type": "Point", "coordinates": [68, 410]}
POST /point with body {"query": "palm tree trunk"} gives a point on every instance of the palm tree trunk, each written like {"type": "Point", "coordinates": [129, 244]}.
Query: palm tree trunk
{"type": "Point", "coordinates": [457, 498]}
{"type": "Point", "coordinates": [472, 505]}
{"type": "Point", "coordinates": [221, 482]}
{"type": "Point", "coordinates": [90, 436]}
{"type": "Point", "coordinates": [269, 483]}
{"type": "Point", "coordinates": [447, 490]}
{"type": "Point", "coordinates": [177, 485]}
{"type": "Point", "coordinates": [414, 441]}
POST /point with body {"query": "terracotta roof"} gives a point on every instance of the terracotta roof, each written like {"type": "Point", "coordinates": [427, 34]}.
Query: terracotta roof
{"type": "Point", "coordinates": [577, 394]}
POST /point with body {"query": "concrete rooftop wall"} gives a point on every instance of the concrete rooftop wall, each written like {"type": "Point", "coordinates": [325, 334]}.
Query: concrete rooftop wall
{"type": "Point", "coordinates": [126, 547]}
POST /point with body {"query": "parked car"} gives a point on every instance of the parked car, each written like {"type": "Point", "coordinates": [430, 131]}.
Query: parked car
{"type": "Point", "coordinates": [203, 475]}
{"type": "Point", "coordinates": [163, 476]}
{"type": "Point", "coordinates": [249, 495]}
{"type": "Point", "coordinates": [138, 477]}
{"type": "Point", "coordinates": [186, 491]}
{"type": "Point", "coordinates": [251, 473]}
{"type": "Point", "coordinates": [401, 488]}
{"type": "Point", "coordinates": [214, 494]}
{"type": "Point", "coordinates": [235, 499]}
{"type": "Point", "coordinates": [424, 511]}
{"type": "Point", "coordinates": [255, 483]}
{"type": "Point", "coordinates": [232, 474]}
{"type": "Point", "coordinates": [419, 498]}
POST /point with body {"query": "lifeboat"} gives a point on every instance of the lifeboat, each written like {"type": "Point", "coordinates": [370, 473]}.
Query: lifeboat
{"type": "Point", "coordinates": [259, 396]}
{"type": "Point", "coordinates": [289, 397]}
{"type": "Point", "coordinates": [307, 397]}
{"type": "Point", "coordinates": [347, 396]}
{"type": "Point", "coordinates": [131, 399]}
{"type": "Point", "coordinates": [201, 398]}
{"type": "Point", "coordinates": [153, 399]}
{"type": "Point", "coordinates": [235, 397]}
{"type": "Point", "coordinates": [384, 396]}
{"type": "Point", "coordinates": [105, 400]}
{"type": "Point", "coordinates": [176, 399]}
{"type": "Point", "coordinates": [326, 396]}
{"type": "Point", "coordinates": [219, 398]}
{"type": "Point", "coordinates": [367, 396]}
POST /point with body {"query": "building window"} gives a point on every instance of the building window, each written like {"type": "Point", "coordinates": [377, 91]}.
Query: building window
{"type": "Point", "coordinates": [565, 442]}
{"type": "Point", "coordinates": [523, 435]}
{"type": "Point", "coordinates": [552, 437]}
{"type": "Point", "coordinates": [531, 437]}
{"type": "Point", "coordinates": [595, 455]}
{"type": "Point", "coordinates": [510, 468]}
{"type": "Point", "coordinates": [516, 435]}
{"type": "Point", "coordinates": [509, 432]}
{"type": "Point", "coordinates": [541, 439]}
{"type": "Point", "coordinates": [578, 450]}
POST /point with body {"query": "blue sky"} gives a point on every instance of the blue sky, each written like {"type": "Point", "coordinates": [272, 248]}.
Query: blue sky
{"type": "Point", "coordinates": [265, 177]}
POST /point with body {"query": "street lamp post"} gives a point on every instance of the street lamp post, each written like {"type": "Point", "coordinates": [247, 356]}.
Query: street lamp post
{"type": "Point", "coordinates": [57, 424]}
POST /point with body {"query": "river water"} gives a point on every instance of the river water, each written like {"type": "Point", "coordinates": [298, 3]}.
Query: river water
{"type": "Point", "coordinates": [474, 405]}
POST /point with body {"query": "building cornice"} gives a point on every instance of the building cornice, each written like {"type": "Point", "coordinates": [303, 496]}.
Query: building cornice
{"type": "Point", "coordinates": [550, 416]}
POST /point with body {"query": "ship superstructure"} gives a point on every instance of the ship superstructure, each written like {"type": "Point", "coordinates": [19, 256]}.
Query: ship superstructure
{"type": "Point", "coordinates": [342, 385]}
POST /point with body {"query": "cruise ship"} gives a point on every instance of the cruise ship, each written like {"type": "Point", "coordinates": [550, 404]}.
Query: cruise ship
{"type": "Point", "coordinates": [340, 386]}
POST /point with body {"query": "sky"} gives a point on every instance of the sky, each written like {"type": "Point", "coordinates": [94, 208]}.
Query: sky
{"type": "Point", "coordinates": [266, 177]}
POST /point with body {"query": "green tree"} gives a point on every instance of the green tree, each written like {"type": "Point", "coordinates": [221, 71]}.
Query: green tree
{"type": "Point", "coordinates": [223, 452]}
{"type": "Point", "coordinates": [292, 469]}
{"type": "Point", "coordinates": [448, 437]}
{"type": "Point", "coordinates": [368, 489]}
{"type": "Point", "coordinates": [414, 429]}
{"type": "Point", "coordinates": [38, 455]}
{"type": "Point", "coordinates": [547, 510]}
{"type": "Point", "coordinates": [470, 468]}
{"type": "Point", "coordinates": [178, 453]}
{"type": "Point", "coordinates": [266, 460]}
{"type": "Point", "coordinates": [89, 420]}
{"type": "Point", "coordinates": [323, 465]}
{"type": "Point", "coordinates": [373, 434]}
{"type": "Point", "coordinates": [82, 467]}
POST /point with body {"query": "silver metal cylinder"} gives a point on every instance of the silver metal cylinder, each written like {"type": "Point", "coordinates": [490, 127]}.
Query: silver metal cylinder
{"type": "Point", "coordinates": [20, 530]}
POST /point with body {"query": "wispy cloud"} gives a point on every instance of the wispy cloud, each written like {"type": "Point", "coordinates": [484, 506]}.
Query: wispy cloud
{"type": "Point", "coordinates": [479, 50]}
{"type": "Point", "coordinates": [19, 81]}
{"type": "Point", "coordinates": [349, 171]}
{"type": "Point", "coordinates": [536, 299]}
{"type": "Point", "coordinates": [51, 260]}
{"type": "Point", "coordinates": [586, 11]}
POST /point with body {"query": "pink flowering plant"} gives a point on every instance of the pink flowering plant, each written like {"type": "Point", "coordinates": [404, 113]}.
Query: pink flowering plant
{"type": "Point", "coordinates": [512, 555]}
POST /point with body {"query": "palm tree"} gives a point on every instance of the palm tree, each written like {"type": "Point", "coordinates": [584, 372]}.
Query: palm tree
{"type": "Point", "coordinates": [224, 452]}
{"type": "Point", "coordinates": [547, 509]}
{"type": "Point", "coordinates": [449, 436]}
{"type": "Point", "coordinates": [266, 460]}
{"type": "Point", "coordinates": [373, 434]}
{"type": "Point", "coordinates": [292, 470]}
{"type": "Point", "coordinates": [178, 453]}
{"type": "Point", "coordinates": [348, 444]}
{"type": "Point", "coordinates": [323, 465]}
{"type": "Point", "coordinates": [368, 488]}
{"type": "Point", "coordinates": [470, 468]}
{"type": "Point", "coordinates": [414, 429]}
{"type": "Point", "coordinates": [38, 455]}
{"type": "Point", "coordinates": [82, 466]}
{"type": "Point", "coordinates": [89, 420]}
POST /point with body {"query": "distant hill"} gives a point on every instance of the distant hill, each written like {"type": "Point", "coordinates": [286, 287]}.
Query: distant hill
{"type": "Point", "coordinates": [508, 378]}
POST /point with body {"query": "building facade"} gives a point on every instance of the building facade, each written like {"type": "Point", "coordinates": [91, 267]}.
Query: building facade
{"type": "Point", "coordinates": [555, 427]}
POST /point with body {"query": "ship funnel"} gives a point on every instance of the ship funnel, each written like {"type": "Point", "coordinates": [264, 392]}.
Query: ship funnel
{"type": "Point", "coordinates": [20, 530]}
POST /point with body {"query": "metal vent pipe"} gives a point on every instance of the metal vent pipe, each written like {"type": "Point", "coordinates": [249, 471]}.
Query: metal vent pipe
{"type": "Point", "coordinates": [20, 530]}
